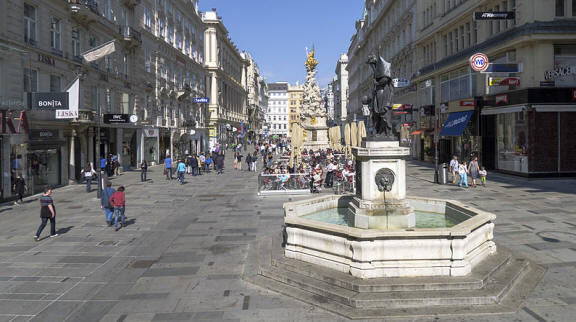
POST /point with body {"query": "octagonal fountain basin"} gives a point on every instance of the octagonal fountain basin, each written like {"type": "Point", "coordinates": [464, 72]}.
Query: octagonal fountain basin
{"type": "Point", "coordinates": [440, 238]}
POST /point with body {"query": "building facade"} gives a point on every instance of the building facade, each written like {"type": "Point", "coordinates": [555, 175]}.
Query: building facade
{"type": "Point", "coordinates": [227, 79]}
{"type": "Point", "coordinates": [257, 96]}
{"type": "Point", "coordinates": [295, 93]}
{"type": "Point", "coordinates": [521, 127]}
{"type": "Point", "coordinates": [388, 29]}
{"type": "Point", "coordinates": [340, 89]}
{"type": "Point", "coordinates": [277, 114]}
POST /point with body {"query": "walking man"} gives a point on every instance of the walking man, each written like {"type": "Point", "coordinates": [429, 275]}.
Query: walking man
{"type": "Point", "coordinates": [194, 165]}
{"type": "Point", "coordinates": [118, 201]}
{"type": "Point", "coordinates": [105, 203]}
{"type": "Point", "coordinates": [143, 170]}
{"type": "Point", "coordinates": [88, 173]}
{"type": "Point", "coordinates": [20, 187]}
{"type": "Point", "coordinates": [47, 212]}
{"type": "Point", "coordinates": [168, 167]}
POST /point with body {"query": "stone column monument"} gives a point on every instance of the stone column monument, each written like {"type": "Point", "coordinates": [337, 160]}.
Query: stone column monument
{"type": "Point", "coordinates": [313, 112]}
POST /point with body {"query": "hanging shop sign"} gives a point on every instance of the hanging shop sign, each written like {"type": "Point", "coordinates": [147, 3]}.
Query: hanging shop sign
{"type": "Point", "coordinates": [479, 62]}
{"type": "Point", "coordinates": [150, 133]}
{"type": "Point", "coordinates": [400, 82]}
{"type": "Point", "coordinates": [7, 126]}
{"type": "Point", "coordinates": [66, 114]}
{"type": "Point", "coordinates": [116, 118]}
{"type": "Point", "coordinates": [508, 81]}
{"type": "Point", "coordinates": [49, 101]}
{"type": "Point", "coordinates": [467, 103]}
{"type": "Point", "coordinates": [43, 134]}
{"type": "Point", "coordinates": [494, 15]}
{"type": "Point", "coordinates": [200, 99]}
{"type": "Point", "coordinates": [501, 99]}
{"type": "Point", "coordinates": [503, 68]}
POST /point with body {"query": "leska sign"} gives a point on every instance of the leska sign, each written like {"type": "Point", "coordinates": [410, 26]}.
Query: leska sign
{"type": "Point", "coordinates": [7, 126]}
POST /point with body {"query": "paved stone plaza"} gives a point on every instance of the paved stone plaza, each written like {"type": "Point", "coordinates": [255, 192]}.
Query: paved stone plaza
{"type": "Point", "coordinates": [182, 255]}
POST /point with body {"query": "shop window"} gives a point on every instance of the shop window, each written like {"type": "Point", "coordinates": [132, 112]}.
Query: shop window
{"type": "Point", "coordinates": [560, 8]}
{"type": "Point", "coordinates": [512, 138]}
{"type": "Point", "coordinates": [44, 168]}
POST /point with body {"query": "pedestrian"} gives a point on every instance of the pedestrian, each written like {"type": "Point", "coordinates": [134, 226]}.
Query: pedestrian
{"type": "Point", "coordinates": [19, 188]}
{"type": "Point", "coordinates": [102, 164]}
{"type": "Point", "coordinates": [118, 201]}
{"type": "Point", "coordinates": [254, 160]}
{"type": "Point", "coordinates": [201, 163]}
{"type": "Point", "coordinates": [239, 157]}
{"type": "Point", "coordinates": [105, 203]}
{"type": "Point", "coordinates": [463, 173]}
{"type": "Point", "coordinates": [188, 164]}
{"type": "Point", "coordinates": [47, 212]}
{"type": "Point", "coordinates": [143, 170]}
{"type": "Point", "coordinates": [181, 168]}
{"type": "Point", "coordinates": [248, 162]}
{"type": "Point", "coordinates": [168, 167]}
{"type": "Point", "coordinates": [88, 174]}
{"type": "Point", "coordinates": [208, 162]}
{"type": "Point", "coordinates": [235, 161]}
{"type": "Point", "coordinates": [454, 169]}
{"type": "Point", "coordinates": [117, 166]}
{"type": "Point", "coordinates": [483, 173]}
{"type": "Point", "coordinates": [194, 165]}
{"type": "Point", "coordinates": [219, 162]}
{"type": "Point", "coordinates": [330, 174]}
{"type": "Point", "coordinates": [474, 169]}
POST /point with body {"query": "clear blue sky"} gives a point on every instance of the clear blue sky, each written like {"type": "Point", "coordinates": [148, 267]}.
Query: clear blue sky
{"type": "Point", "coordinates": [276, 33]}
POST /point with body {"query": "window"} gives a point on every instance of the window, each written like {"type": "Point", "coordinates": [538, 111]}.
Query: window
{"type": "Point", "coordinates": [76, 50]}
{"type": "Point", "coordinates": [468, 35]}
{"type": "Point", "coordinates": [148, 60]}
{"type": "Point", "coordinates": [30, 24]}
{"type": "Point", "coordinates": [30, 80]}
{"type": "Point", "coordinates": [456, 47]}
{"type": "Point", "coordinates": [107, 9]}
{"type": "Point", "coordinates": [178, 40]}
{"type": "Point", "coordinates": [462, 38]}
{"type": "Point", "coordinates": [55, 83]}
{"type": "Point", "coordinates": [170, 37]}
{"type": "Point", "coordinates": [161, 28]}
{"type": "Point", "coordinates": [451, 44]}
{"type": "Point", "coordinates": [560, 8]}
{"type": "Point", "coordinates": [497, 22]}
{"type": "Point", "coordinates": [55, 33]}
{"type": "Point", "coordinates": [125, 63]}
{"type": "Point", "coordinates": [445, 45]}
{"type": "Point", "coordinates": [147, 18]}
{"type": "Point", "coordinates": [284, 124]}
{"type": "Point", "coordinates": [573, 8]}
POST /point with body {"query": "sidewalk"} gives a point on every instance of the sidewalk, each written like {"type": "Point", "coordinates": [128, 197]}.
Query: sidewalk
{"type": "Point", "coordinates": [183, 252]}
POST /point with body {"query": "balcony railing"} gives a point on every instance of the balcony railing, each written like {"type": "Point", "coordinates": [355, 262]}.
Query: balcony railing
{"type": "Point", "coordinates": [131, 35]}
{"type": "Point", "coordinates": [78, 5]}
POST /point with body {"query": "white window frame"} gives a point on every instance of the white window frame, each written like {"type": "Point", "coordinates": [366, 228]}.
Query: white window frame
{"type": "Point", "coordinates": [30, 80]}
{"type": "Point", "coordinates": [56, 33]}
{"type": "Point", "coordinates": [30, 25]}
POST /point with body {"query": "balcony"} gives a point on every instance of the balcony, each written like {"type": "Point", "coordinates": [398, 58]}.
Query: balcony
{"type": "Point", "coordinates": [131, 36]}
{"type": "Point", "coordinates": [84, 10]}
{"type": "Point", "coordinates": [184, 91]}
{"type": "Point", "coordinates": [131, 3]}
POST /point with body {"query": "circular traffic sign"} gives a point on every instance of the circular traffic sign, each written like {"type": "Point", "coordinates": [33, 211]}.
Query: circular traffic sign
{"type": "Point", "coordinates": [479, 62]}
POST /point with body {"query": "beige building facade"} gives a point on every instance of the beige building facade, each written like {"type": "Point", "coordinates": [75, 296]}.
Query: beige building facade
{"type": "Point", "coordinates": [295, 93]}
{"type": "Point", "coordinates": [227, 79]}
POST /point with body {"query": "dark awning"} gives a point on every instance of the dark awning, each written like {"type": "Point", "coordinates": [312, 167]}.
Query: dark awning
{"type": "Point", "coordinates": [456, 123]}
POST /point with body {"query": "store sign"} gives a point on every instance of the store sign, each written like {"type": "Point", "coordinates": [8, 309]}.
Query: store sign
{"type": "Point", "coordinates": [49, 101]}
{"type": "Point", "coordinates": [479, 62]}
{"type": "Point", "coordinates": [66, 114]}
{"type": "Point", "coordinates": [116, 118]}
{"type": "Point", "coordinates": [494, 15]}
{"type": "Point", "coordinates": [467, 103]}
{"type": "Point", "coordinates": [547, 83]}
{"type": "Point", "coordinates": [504, 68]}
{"type": "Point", "coordinates": [508, 81]}
{"type": "Point", "coordinates": [43, 134]}
{"type": "Point", "coordinates": [501, 99]}
{"type": "Point", "coordinates": [201, 100]}
{"type": "Point", "coordinates": [7, 126]}
{"type": "Point", "coordinates": [400, 82]}
{"type": "Point", "coordinates": [560, 72]}
{"type": "Point", "coordinates": [46, 59]}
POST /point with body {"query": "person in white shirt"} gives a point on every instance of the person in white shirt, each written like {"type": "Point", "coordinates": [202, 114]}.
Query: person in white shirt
{"type": "Point", "coordinates": [454, 169]}
{"type": "Point", "coordinates": [88, 173]}
{"type": "Point", "coordinates": [330, 174]}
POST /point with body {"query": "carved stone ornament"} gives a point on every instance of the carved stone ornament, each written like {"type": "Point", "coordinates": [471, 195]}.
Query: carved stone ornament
{"type": "Point", "coordinates": [384, 179]}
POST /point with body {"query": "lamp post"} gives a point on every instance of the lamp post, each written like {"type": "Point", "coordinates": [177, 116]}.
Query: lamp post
{"type": "Point", "coordinates": [98, 124]}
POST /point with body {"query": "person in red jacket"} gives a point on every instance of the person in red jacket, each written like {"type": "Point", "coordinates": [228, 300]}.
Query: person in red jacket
{"type": "Point", "coordinates": [118, 201]}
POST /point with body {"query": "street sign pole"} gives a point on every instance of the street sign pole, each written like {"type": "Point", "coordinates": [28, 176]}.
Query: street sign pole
{"type": "Point", "coordinates": [436, 140]}
{"type": "Point", "coordinates": [100, 176]}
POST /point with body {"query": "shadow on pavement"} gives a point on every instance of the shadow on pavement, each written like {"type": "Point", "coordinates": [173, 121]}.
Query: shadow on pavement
{"type": "Point", "coordinates": [62, 231]}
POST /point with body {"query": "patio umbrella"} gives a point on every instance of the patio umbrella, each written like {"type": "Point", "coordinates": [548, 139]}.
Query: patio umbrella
{"type": "Point", "coordinates": [361, 132]}
{"type": "Point", "coordinates": [353, 134]}
{"type": "Point", "coordinates": [347, 138]}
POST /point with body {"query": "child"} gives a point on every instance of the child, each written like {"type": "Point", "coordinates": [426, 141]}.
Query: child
{"type": "Point", "coordinates": [483, 174]}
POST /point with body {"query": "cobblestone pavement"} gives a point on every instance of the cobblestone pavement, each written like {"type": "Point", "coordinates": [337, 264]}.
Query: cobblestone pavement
{"type": "Point", "coordinates": [181, 256]}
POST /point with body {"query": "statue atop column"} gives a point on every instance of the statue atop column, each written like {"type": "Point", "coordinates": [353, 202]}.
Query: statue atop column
{"type": "Point", "coordinates": [380, 103]}
{"type": "Point", "coordinates": [312, 104]}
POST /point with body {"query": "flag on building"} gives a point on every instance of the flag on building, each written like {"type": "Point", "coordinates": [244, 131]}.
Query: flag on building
{"type": "Point", "coordinates": [98, 52]}
{"type": "Point", "coordinates": [73, 101]}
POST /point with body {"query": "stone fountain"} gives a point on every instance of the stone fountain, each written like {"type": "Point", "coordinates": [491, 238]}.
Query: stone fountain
{"type": "Point", "coordinates": [382, 253]}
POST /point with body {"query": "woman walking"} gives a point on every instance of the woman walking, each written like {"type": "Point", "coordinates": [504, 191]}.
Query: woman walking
{"type": "Point", "coordinates": [19, 187]}
{"type": "Point", "coordinates": [474, 170]}
{"type": "Point", "coordinates": [47, 212]}
{"type": "Point", "coordinates": [143, 170]}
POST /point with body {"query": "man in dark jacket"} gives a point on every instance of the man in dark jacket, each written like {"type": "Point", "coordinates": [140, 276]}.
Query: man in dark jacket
{"type": "Point", "coordinates": [105, 203]}
{"type": "Point", "coordinates": [194, 165]}
{"type": "Point", "coordinates": [219, 162]}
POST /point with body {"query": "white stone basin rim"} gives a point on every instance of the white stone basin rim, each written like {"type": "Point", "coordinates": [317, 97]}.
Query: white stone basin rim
{"type": "Point", "coordinates": [369, 253]}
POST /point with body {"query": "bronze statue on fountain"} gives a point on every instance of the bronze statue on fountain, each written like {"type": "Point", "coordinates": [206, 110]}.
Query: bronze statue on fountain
{"type": "Point", "coordinates": [380, 104]}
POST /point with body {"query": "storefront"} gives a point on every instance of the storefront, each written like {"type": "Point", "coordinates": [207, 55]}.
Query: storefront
{"type": "Point", "coordinates": [534, 133]}
{"type": "Point", "coordinates": [151, 145]}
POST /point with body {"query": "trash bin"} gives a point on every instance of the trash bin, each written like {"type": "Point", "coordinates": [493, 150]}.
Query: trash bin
{"type": "Point", "coordinates": [443, 173]}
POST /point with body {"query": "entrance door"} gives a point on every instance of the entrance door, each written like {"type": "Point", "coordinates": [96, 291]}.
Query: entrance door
{"type": "Point", "coordinates": [489, 141]}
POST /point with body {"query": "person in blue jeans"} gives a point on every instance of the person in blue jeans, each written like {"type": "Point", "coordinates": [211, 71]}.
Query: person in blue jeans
{"type": "Point", "coordinates": [168, 167]}
{"type": "Point", "coordinates": [105, 202]}
{"type": "Point", "coordinates": [181, 170]}
{"type": "Point", "coordinates": [463, 172]}
{"type": "Point", "coordinates": [47, 212]}
{"type": "Point", "coordinates": [208, 162]}
{"type": "Point", "coordinates": [118, 201]}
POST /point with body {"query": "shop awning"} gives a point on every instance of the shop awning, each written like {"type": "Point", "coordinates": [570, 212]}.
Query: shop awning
{"type": "Point", "coordinates": [456, 123]}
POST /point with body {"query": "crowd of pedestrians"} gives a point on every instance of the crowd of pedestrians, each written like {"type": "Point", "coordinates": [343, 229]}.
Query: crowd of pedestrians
{"type": "Point", "coordinates": [461, 170]}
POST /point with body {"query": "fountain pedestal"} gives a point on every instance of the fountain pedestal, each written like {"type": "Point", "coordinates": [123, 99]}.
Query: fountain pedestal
{"type": "Point", "coordinates": [376, 206]}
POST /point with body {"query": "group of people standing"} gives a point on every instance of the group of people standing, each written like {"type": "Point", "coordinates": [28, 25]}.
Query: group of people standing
{"type": "Point", "coordinates": [461, 170]}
